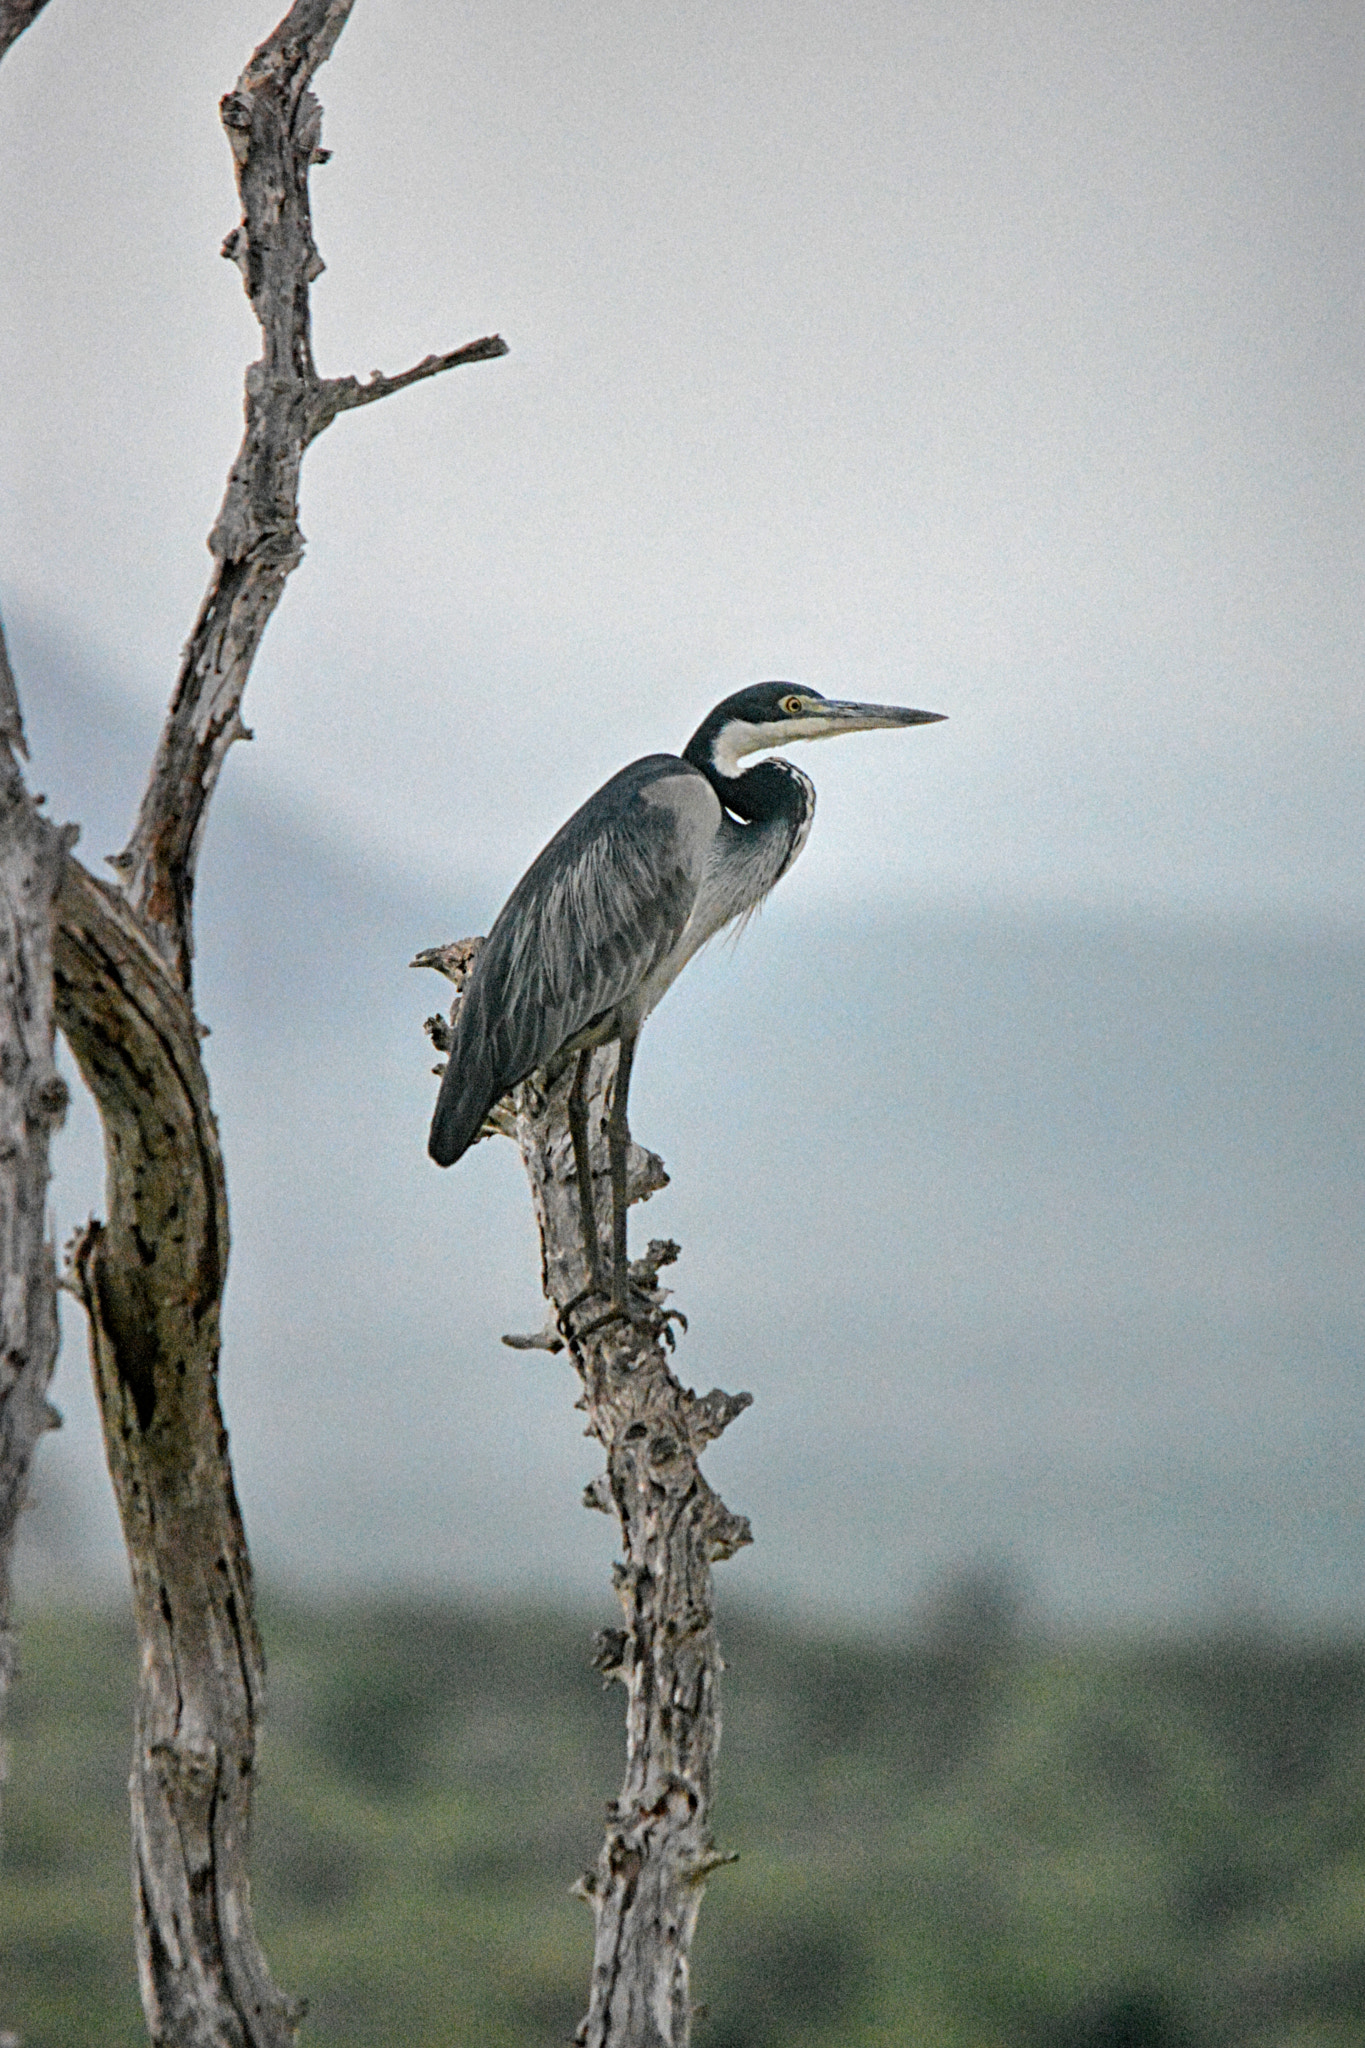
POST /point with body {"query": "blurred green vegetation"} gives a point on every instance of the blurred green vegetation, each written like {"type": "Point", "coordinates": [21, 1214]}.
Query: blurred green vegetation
{"type": "Point", "coordinates": [968, 1838]}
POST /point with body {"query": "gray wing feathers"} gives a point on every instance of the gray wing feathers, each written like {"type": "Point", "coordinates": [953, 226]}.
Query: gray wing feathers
{"type": "Point", "coordinates": [592, 918]}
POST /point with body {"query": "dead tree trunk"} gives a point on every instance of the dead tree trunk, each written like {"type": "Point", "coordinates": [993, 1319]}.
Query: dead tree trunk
{"type": "Point", "coordinates": [646, 1888]}
{"type": "Point", "coordinates": [152, 1276]}
{"type": "Point", "coordinates": [151, 1279]}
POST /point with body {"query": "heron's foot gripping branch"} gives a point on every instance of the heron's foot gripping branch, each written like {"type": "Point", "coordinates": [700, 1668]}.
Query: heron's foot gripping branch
{"type": "Point", "coordinates": [644, 1308]}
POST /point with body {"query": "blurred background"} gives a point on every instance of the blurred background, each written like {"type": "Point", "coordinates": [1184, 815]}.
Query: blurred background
{"type": "Point", "coordinates": [1005, 362]}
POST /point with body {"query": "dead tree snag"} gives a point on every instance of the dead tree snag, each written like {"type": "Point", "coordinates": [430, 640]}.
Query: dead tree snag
{"type": "Point", "coordinates": [646, 1887]}
{"type": "Point", "coordinates": [152, 1276]}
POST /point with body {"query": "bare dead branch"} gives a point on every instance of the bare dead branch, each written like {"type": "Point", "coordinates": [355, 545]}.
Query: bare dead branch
{"type": "Point", "coordinates": [340, 394]}
{"type": "Point", "coordinates": [151, 1280]}
{"type": "Point", "coordinates": [15, 17]}
{"type": "Point", "coordinates": [453, 960]}
{"type": "Point", "coordinates": [547, 1339]}
{"type": "Point", "coordinates": [274, 126]}
{"type": "Point", "coordinates": [647, 1885]}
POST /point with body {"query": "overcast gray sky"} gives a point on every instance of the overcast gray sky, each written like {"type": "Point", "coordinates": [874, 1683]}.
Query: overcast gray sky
{"type": "Point", "coordinates": [1000, 359]}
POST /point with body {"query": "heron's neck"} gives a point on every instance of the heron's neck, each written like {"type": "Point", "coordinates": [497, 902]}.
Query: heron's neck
{"type": "Point", "coordinates": [765, 824]}
{"type": "Point", "coordinates": [774, 805]}
{"type": "Point", "coordinates": [769, 793]}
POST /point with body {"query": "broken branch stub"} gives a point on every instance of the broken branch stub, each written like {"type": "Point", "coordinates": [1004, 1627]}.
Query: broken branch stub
{"type": "Point", "coordinates": [646, 1887]}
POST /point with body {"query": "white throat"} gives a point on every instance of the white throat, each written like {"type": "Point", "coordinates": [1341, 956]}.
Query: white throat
{"type": "Point", "coordinates": [737, 738]}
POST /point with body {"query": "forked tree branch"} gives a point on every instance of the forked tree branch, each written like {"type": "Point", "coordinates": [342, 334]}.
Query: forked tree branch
{"type": "Point", "coordinates": [646, 1887]}
{"type": "Point", "coordinates": [274, 125]}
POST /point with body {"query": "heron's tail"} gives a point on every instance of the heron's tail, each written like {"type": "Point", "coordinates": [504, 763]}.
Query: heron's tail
{"type": "Point", "coordinates": [467, 1094]}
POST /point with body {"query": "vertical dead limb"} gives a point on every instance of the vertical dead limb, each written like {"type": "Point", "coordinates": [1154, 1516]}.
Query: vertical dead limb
{"type": "Point", "coordinates": [646, 1888]}
{"type": "Point", "coordinates": [152, 1277]}
{"type": "Point", "coordinates": [32, 1104]}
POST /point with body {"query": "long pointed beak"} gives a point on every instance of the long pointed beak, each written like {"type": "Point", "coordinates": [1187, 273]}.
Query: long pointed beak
{"type": "Point", "coordinates": [864, 717]}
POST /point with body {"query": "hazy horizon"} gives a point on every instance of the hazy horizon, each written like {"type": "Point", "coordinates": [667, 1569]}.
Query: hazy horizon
{"type": "Point", "coordinates": [1034, 1233]}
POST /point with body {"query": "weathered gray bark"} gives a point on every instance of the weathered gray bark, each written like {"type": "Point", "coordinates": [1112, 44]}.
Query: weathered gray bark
{"type": "Point", "coordinates": [646, 1888]}
{"type": "Point", "coordinates": [32, 1103]}
{"type": "Point", "coordinates": [152, 1277]}
{"type": "Point", "coordinates": [152, 1280]}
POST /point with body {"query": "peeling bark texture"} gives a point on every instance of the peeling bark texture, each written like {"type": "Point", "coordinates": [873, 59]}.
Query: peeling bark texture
{"type": "Point", "coordinates": [15, 17]}
{"type": "Point", "coordinates": [32, 1104]}
{"type": "Point", "coordinates": [646, 1887]}
{"type": "Point", "coordinates": [151, 1280]}
{"type": "Point", "coordinates": [274, 126]}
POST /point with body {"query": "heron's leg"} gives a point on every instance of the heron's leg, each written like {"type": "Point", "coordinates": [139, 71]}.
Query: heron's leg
{"type": "Point", "coordinates": [618, 1151]}
{"type": "Point", "coordinates": [582, 1159]}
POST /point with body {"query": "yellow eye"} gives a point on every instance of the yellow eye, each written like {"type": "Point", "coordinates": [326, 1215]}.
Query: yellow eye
{"type": "Point", "coordinates": [792, 706]}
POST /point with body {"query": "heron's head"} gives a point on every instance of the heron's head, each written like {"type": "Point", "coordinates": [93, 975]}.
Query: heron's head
{"type": "Point", "coordinates": [771, 714]}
